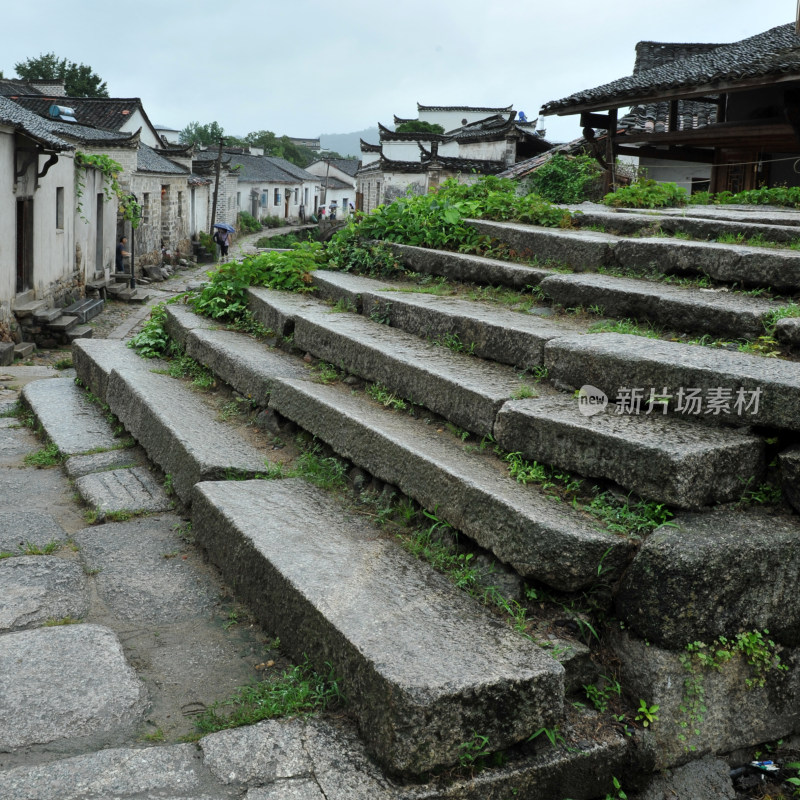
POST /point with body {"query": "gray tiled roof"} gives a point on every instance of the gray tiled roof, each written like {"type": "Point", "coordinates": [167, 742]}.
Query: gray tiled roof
{"type": "Point", "coordinates": [774, 52]}
{"type": "Point", "coordinates": [147, 160]}
{"type": "Point", "coordinates": [259, 169]}
{"type": "Point", "coordinates": [28, 122]}
{"type": "Point", "coordinates": [292, 169]}
{"type": "Point", "coordinates": [83, 133]}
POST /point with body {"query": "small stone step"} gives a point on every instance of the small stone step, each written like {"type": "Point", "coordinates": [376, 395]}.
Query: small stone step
{"type": "Point", "coordinates": [466, 390]}
{"type": "Point", "coordinates": [47, 316]}
{"type": "Point", "coordinates": [468, 268]}
{"type": "Point", "coordinates": [507, 337]}
{"type": "Point", "coordinates": [744, 389]}
{"type": "Point", "coordinates": [580, 250]}
{"type": "Point", "coordinates": [86, 309]}
{"type": "Point", "coordinates": [24, 349]}
{"type": "Point", "coordinates": [658, 457]}
{"type": "Point", "coordinates": [29, 308]}
{"type": "Point", "coordinates": [80, 332]}
{"type": "Point", "coordinates": [95, 358]}
{"type": "Point", "coordinates": [423, 670]}
{"type": "Point", "coordinates": [178, 431]}
{"type": "Point", "coordinates": [677, 308]}
{"type": "Point", "coordinates": [73, 423]}
{"type": "Point", "coordinates": [63, 324]}
{"type": "Point", "coordinates": [131, 489]}
{"type": "Point", "coordinates": [78, 466]}
{"type": "Point", "coordinates": [247, 365]}
{"type": "Point", "coordinates": [6, 354]}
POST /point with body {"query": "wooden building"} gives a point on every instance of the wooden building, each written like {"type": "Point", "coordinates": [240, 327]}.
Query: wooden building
{"type": "Point", "coordinates": [733, 108]}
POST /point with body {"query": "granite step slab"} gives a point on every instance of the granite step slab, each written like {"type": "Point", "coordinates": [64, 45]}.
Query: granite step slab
{"type": "Point", "coordinates": [178, 431]}
{"type": "Point", "coordinates": [577, 249]}
{"type": "Point", "coordinates": [74, 423]}
{"type": "Point", "coordinates": [6, 354]}
{"type": "Point", "coordinates": [64, 323]}
{"type": "Point", "coordinates": [467, 268]}
{"type": "Point", "coordinates": [659, 457]}
{"type": "Point", "coordinates": [540, 538]}
{"type": "Point", "coordinates": [80, 332]}
{"type": "Point", "coordinates": [744, 265]}
{"type": "Point", "coordinates": [715, 574]}
{"type": "Point", "coordinates": [24, 349]}
{"type": "Point", "coordinates": [132, 489]}
{"type": "Point", "coordinates": [424, 669]}
{"type": "Point", "coordinates": [676, 308]}
{"type": "Point", "coordinates": [498, 334]}
{"type": "Point", "coordinates": [85, 309]}
{"type": "Point", "coordinates": [77, 687]}
{"type": "Point", "coordinates": [248, 365]}
{"type": "Point", "coordinates": [29, 308]}
{"type": "Point", "coordinates": [709, 383]}
{"type": "Point", "coordinates": [632, 221]}
{"type": "Point", "coordinates": [94, 359]}
{"type": "Point", "coordinates": [46, 315]}
{"type": "Point", "coordinates": [467, 391]}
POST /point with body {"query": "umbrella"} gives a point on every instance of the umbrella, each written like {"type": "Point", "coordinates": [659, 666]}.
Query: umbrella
{"type": "Point", "coordinates": [225, 226]}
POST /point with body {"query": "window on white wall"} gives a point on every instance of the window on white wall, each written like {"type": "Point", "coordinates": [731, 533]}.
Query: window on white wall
{"type": "Point", "coordinates": [60, 208]}
{"type": "Point", "coordinates": [296, 196]}
{"type": "Point", "coordinates": [277, 198]}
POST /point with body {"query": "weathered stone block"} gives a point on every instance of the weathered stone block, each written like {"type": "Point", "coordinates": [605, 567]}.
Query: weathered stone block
{"type": "Point", "coordinates": [713, 575]}
{"type": "Point", "coordinates": [424, 669]}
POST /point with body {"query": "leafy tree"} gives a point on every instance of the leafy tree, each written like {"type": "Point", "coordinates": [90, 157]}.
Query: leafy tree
{"type": "Point", "coordinates": [79, 79]}
{"type": "Point", "coordinates": [418, 126]}
{"type": "Point", "coordinates": [209, 134]}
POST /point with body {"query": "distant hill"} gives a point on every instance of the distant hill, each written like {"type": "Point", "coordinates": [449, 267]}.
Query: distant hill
{"type": "Point", "coordinates": [348, 143]}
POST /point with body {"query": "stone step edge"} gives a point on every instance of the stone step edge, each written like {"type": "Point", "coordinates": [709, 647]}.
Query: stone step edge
{"type": "Point", "coordinates": [413, 714]}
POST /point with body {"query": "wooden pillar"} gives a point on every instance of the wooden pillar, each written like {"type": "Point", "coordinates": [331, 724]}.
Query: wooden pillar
{"type": "Point", "coordinates": [610, 178]}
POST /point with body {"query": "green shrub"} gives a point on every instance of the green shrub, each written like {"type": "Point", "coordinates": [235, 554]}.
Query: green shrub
{"type": "Point", "coordinates": [225, 295]}
{"type": "Point", "coordinates": [348, 251]}
{"type": "Point", "coordinates": [566, 179]}
{"type": "Point", "coordinates": [419, 126]}
{"type": "Point", "coordinates": [273, 222]}
{"type": "Point", "coordinates": [248, 223]}
{"type": "Point", "coordinates": [647, 193]}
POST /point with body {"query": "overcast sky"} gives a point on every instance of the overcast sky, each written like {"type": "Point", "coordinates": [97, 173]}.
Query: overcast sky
{"type": "Point", "coordinates": [300, 68]}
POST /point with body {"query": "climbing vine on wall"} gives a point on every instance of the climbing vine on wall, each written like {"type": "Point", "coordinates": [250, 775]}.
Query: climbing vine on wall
{"type": "Point", "coordinates": [110, 169]}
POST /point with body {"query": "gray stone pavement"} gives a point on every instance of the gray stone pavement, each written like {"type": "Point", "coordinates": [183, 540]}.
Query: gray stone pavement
{"type": "Point", "coordinates": [114, 637]}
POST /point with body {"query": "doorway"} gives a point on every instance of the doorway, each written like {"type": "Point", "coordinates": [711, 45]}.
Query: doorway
{"type": "Point", "coordinates": [24, 244]}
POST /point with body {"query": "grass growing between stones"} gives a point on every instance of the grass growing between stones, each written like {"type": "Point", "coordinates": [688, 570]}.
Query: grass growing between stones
{"type": "Point", "coordinates": [298, 691]}
{"type": "Point", "coordinates": [48, 456]}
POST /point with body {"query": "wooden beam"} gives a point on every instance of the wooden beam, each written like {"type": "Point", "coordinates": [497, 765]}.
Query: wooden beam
{"type": "Point", "coordinates": [671, 154]}
{"type": "Point", "coordinates": [732, 133]}
{"type": "Point", "coordinates": [611, 150]}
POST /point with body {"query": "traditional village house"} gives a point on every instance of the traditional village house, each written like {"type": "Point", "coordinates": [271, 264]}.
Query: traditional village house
{"type": "Point", "coordinates": [477, 141]}
{"type": "Point", "coordinates": [266, 186]}
{"type": "Point", "coordinates": [724, 117]}
{"type": "Point", "coordinates": [45, 230]}
{"type": "Point", "coordinates": [338, 180]}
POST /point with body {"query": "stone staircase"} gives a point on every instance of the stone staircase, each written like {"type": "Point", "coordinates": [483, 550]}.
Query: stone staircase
{"type": "Point", "coordinates": [424, 667]}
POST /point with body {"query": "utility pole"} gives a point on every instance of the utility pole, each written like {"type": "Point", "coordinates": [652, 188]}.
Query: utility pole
{"type": "Point", "coordinates": [216, 189]}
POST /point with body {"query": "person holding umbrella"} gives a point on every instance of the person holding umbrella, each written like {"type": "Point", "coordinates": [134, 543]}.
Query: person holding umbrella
{"type": "Point", "coordinates": [222, 236]}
